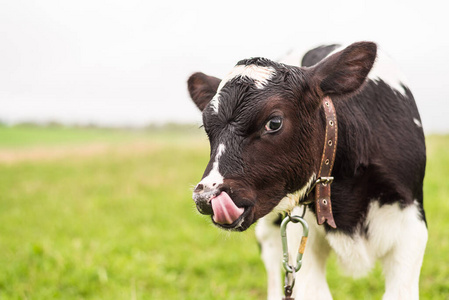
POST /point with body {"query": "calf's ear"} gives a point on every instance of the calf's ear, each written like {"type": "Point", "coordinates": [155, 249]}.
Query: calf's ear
{"type": "Point", "coordinates": [202, 88]}
{"type": "Point", "coordinates": [344, 72]}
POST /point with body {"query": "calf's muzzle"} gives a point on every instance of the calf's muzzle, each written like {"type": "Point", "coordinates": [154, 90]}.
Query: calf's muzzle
{"type": "Point", "coordinates": [202, 194]}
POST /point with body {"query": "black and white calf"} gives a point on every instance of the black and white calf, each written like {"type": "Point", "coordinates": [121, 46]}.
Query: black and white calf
{"type": "Point", "coordinates": [266, 129]}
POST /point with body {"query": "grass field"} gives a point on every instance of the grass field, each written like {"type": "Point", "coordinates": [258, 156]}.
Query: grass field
{"type": "Point", "coordinates": [107, 214]}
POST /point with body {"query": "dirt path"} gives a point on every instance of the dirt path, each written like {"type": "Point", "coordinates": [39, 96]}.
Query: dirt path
{"type": "Point", "coordinates": [49, 153]}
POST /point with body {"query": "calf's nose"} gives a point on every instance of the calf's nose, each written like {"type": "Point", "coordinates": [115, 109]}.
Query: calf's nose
{"type": "Point", "coordinates": [202, 194]}
{"type": "Point", "coordinates": [199, 188]}
{"type": "Point", "coordinates": [205, 188]}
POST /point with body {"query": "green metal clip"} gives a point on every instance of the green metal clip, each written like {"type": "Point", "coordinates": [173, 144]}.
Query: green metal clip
{"type": "Point", "coordinates": [295, 219]}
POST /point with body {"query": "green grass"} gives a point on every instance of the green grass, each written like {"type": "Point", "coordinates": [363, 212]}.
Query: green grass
{"type": "Point", "coordinates": [122, 225]}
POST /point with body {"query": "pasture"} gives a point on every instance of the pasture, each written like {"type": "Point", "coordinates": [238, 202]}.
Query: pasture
{"type": "Point", "coordinates": [107, 214]}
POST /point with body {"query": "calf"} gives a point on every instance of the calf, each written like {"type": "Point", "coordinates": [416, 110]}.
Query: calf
{"type": "Point", "coordinates": [267, 126]}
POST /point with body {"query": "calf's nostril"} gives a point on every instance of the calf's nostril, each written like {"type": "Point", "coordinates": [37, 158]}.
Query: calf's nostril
{"type": "Point", "coordinates": [199, 188]}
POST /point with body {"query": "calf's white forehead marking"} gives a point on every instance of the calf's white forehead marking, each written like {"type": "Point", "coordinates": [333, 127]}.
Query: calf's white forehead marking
{"type": "Point", "coordinates": [260, 75]}
{"type": "Point", "coordinates": [214, 176]}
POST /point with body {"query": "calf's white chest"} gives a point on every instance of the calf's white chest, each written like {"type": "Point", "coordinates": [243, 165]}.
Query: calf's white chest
{"type": "Point", "coordinates": [384, 228]}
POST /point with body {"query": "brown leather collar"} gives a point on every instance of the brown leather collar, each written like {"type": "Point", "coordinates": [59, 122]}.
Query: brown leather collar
{"type": "Point", "coordinates": [322, 185]}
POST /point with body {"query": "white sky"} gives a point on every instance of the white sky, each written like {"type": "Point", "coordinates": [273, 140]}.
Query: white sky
{"type": "Point", "coordinates": [127, 62]}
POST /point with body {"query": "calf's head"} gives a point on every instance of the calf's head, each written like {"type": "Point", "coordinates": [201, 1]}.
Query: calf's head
{"type": "Point", "coordinates": [266, 131]}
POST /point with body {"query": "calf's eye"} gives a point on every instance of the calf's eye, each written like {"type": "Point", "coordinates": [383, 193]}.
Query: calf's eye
{"type": "Point", "coordinates": [273, 124]}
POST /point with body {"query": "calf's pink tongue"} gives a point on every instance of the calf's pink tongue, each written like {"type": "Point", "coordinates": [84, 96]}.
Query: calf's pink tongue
{"type": "Point", "coordinates": [225, 210]}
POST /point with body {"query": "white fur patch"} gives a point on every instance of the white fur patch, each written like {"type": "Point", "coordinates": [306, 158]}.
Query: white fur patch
{"type": "Point", "coordinates": [214, 178]}
{"type": "Point", "coordinates": [260, 75]}
{"type": "Point", "coordinates": [267, 234]}
{"type": "Point", "coordinates": [289, 202]}
{"type": "Point", "coordinates": [385, 69]}
{"type": "Point", "coordinates": [402, 264]}
{"type": "Point", "coordinates": [417, 122]}
{"type": "Point", "coordinates": [389, 226]}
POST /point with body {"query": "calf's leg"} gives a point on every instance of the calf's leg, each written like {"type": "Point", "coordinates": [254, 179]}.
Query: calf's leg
{"type": "Point", "coordinates": [269, 238]}
{"type": "Point", "coordinates": [402, 264]}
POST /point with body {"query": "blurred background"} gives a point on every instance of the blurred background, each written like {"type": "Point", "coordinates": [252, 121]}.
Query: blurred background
{"type": "Point", "coordinates": [125, 63]}
{"type": "Point", "coordinates": [100, 146]}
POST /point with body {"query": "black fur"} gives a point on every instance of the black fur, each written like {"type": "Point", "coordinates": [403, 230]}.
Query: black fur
{"type": "Point", "coordinates": [316, 55]}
